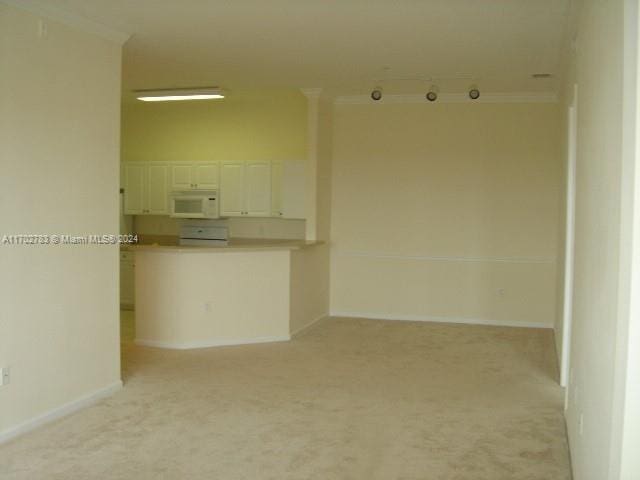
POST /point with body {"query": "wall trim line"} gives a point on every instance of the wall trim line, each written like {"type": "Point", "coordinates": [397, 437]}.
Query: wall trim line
{"type": "Point", "coordinates": [59, 412]}
{"type": "Point", "coordinates": [306, 327]}
{"type": "Point", "coordinates": [211, 343]}
{"type": "Point", "coordinates": [518, 97]}
{"type": "Point", "coordinates": [431, 258]}
{"type": "Point", "coordinates": [69, 19]}
{"type": "Point", "coordinates": [440, 319]}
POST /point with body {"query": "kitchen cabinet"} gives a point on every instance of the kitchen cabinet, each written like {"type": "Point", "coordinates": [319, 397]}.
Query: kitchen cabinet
{"type": "Point", "coordinates": [258, 189]}
{"type": "Point", "coordinates": [194, 176]}
{"type": "Point", "coordinates": [276, 189]}
{"type": "Point", "coordinates": [145, 189]}
{"type": "Point", "coordinates": [288, 186]}
{"type": "Point", "coordinates": [245, 189]}
{"type": "Point", "coordinates": [133, 184]}
{"type": "Point", "coordinates": [127, 293]}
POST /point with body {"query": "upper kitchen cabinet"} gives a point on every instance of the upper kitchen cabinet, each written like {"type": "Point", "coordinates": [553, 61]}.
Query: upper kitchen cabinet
{"type": "Point", "coordinates": [194, 176]}
{"type": "Point", "coordinates": [276, 189]}
{"type": "Point", "coordinates": [258, 189]}
{"type": "Point", "coordinates": [232, 189]}
{"type": "Point", "coordinates": [145, 189]}
{"type": "Point", "coordinates": [288, 184]}
{"type": "Point", "coordinates": [133, 184]}
{"type": "Point", "coordinates": [245, 189]}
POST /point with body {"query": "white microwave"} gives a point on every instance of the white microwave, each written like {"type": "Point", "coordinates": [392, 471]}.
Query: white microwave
{"type": "Point", "coordinates": [194, 204]}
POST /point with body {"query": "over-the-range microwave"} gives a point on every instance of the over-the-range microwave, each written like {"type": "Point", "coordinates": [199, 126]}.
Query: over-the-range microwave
{"type": "Point", "coordinates": [194, 204]}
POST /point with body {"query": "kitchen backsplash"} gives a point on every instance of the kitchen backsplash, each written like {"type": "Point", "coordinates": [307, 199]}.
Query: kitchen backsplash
{"type": "Point", "coordinates": [238, 227]}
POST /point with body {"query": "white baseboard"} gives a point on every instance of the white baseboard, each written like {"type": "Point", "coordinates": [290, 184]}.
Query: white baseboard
{"type": "Point", "coordinates": [306, 327]}
{"type": "Point", "coordinates": [210, 343]}
{"type": "Point", "coordinates": [62, 411]}
{"type": "Point", "coordinates": [429, 318]}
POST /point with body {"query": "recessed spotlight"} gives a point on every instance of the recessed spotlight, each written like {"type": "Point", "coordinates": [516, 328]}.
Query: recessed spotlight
{"type": "Point", "coordinates": [474, 93]}
{"type": "Point", "coordinates": [432, 94]}
{"type": "Point", "coordinates": [376, 94]}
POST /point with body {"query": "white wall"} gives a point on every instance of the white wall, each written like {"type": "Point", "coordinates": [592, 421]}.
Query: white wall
{"type": "Point", "coordinates": [309, 277]}
{"type": "Point", "coordinates": [605, 182]}
{"type": "Point", "coordinates": [203, 298]}
{"type": "Point", "coordinates": [324, 169]}
{"type": "Point", "coordinates": [59, 149]}
{"type": "Point", "coordinates": [561, 251]}
{"type": "Point", "coordinates": [446, 211]}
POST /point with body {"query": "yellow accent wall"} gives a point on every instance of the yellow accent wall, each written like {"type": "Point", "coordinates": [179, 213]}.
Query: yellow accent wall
{"type": "Point", "coordinates": [247, 125]}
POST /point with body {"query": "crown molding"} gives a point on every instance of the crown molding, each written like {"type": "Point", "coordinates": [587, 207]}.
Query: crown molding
{"type": "Point", "coordinates": [69, 19]}
{"type": "Point", "coordinates": [520, 97]}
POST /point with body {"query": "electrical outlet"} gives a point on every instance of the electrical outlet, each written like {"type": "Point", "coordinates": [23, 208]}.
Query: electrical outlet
{"type": "Point", "coordinates": [4, 376]}
{"type": "Point", "coordinates": [207, 307]}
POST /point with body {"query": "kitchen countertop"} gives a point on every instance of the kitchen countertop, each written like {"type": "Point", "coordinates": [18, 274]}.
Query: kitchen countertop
{"type": "Point", "coordinates": [167, 243]}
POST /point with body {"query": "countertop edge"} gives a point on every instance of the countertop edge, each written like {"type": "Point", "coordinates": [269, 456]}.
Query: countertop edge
{"type": "Point", "coordinates": [221, 249]}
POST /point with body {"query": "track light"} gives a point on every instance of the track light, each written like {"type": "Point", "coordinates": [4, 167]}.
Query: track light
{"type": "Point", "coordinates": [432, 94]}
{"type": "Point", "coordinates": [474, 93]}
{"type": "Point", "coordinates": [376, 94]}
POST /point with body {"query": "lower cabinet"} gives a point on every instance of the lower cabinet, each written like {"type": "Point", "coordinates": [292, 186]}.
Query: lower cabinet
{"type": "Point", "coordinates": [127, 280]}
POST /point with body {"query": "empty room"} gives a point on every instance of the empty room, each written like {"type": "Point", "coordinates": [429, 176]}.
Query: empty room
{"type": "Point", "coordinates": [304, 239]}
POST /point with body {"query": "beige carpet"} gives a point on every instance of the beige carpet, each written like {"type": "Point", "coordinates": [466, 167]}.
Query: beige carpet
{"type": "Point", "coordinates": [350, 399]}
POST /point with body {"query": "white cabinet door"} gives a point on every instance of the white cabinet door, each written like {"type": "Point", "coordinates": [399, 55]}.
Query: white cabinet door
{"type": "Point", "coordinates": [190, 176]}
{"type": "Point", "coordinates": [293, 190]}
{"type": "Point", "coordinates": [276, 189]}
{"type": "Point", "coordinates": [127, 295]}
{"type": "Point", "coordinates": [157, 194]}
{"type": "Point", "coordinates": [181, 176]}
{"type": "Point", "coordinates": [205, 176]}
{"type": "Point", "coordinates": [146, 189]}
{"type": "Point", "coordinates": [232, 189]}
{"type": "Point", "coordinates": [258, 189]}
{"type": "Point", "coordinates": [134, 188]}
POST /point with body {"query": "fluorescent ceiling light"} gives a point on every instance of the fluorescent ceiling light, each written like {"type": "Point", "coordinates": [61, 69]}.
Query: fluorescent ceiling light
{"type": "Point", "coordinates": [179, 94]}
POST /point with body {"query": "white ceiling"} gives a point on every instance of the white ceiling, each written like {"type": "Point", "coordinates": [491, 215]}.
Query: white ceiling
{"type": "Point", "coordinates": [340, 45]}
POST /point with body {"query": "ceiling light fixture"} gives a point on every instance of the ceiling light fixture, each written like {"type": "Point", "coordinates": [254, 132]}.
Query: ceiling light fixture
{"type": "Point", "coordinates": [173, 94]}
{"type": "Point", "coordinates": [474, 93]}
{"type": "Point", "coordinates": [376, 94]}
